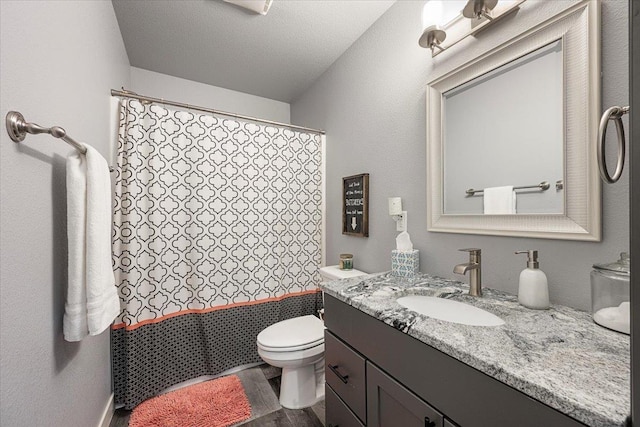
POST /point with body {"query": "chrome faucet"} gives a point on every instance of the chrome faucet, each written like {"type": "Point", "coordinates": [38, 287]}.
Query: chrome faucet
{"type": "Point", "coordinates": [475, 275]}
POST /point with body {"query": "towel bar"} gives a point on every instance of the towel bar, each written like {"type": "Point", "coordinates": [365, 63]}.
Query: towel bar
{"type": "Point", "coordinates": [543, 186]}
{"type": "Point", "coordinates": [18, 128]}
{"type": "Point", "coordinates": [613, 113]}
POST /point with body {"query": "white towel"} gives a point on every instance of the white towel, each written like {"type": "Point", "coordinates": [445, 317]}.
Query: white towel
{"type": "Point", "coordinates": [92, 300]}
{"type": "Point", "coordinates": [499, 200]}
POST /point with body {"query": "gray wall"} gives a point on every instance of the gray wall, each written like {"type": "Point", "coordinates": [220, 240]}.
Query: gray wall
{"type": "Point", "coordinates": [176, 89]}
{"type": "Point", "coordinates": [59, 59]}
{"type": "Point", "coordinates": [371, 102]}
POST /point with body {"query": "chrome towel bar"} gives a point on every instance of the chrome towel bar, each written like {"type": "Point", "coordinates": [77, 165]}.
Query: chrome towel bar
{"type": "Point", "coordinates": [613, 113]}
{"type": "Point", "coordinates": [543, 186]}
{"type": "Point", "coordinates": [18, 128]}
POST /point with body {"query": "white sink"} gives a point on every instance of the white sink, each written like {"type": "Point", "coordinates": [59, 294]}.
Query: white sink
{"type": "Point", "coordinates": [450, 311]}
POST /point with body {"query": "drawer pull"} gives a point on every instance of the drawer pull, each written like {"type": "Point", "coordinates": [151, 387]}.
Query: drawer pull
{"type": "Point", "coordinates": [343, 378]}
{"type": "Point", "coordinates": [428, 422]}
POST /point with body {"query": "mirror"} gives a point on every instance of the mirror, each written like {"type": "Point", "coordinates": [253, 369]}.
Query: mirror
{"type": "Point", "coordinates": [499, 143]}
{"type": "Point", "coordinates": [521, 115]}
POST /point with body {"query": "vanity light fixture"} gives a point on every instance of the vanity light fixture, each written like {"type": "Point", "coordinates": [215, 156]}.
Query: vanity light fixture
{"type": "Point", "coordinates": [432, 36]}
{"type": "Point", "coordinates": [477, 9]}
{"type": "Point", "coordinates": [446, 23]}
{"type": "Point", "coordinates": [434, 16]}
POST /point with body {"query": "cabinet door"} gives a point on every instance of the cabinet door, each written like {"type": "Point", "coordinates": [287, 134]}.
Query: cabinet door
{"type": "Point", "coordinates": [337, 412]}
{"type": "Point", "coordinates": [389, 404]}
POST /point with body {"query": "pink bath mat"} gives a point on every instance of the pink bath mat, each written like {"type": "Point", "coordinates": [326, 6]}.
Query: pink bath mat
{"type": "Point", "coordinates": [218, 403]}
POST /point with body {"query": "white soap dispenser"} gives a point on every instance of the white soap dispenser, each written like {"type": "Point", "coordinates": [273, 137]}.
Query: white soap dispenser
{"type": "Point", "coordinates": [533, 291]}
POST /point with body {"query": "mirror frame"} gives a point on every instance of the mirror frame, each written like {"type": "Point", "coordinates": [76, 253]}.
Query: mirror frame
{"type": "Point", "coordinates": [578, 27]}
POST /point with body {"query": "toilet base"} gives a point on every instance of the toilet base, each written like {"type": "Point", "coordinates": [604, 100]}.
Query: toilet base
{"type": "Point", "coordinates": [302, 387]}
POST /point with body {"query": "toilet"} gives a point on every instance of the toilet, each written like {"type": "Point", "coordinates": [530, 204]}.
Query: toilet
{"type": "Point", "coordinates": [297, 346]}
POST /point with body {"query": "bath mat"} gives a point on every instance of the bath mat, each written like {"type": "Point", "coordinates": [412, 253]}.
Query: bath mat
{"type": "Point", "coordinates": [217, 403]}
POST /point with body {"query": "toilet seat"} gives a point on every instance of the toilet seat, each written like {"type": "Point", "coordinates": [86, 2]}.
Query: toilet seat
{"type": "Point", "coordinates": [298, 351]}
{"type": "Point", "coordinates": [294, 334]}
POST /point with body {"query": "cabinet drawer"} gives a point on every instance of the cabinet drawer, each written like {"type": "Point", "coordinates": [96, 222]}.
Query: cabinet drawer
{"type": "Point", "coordinates": [345, 373]}
{"type": "Point", "coordinates": [449, 423]}
{"type": "Point", "coordinates": [337, 413]}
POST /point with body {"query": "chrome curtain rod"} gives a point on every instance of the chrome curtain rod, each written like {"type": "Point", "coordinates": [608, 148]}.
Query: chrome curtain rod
{"type": "Point", "coordinates": [543, 186]}
{"type": "Point", "coordinates": [127, 94]}
{"type": "Point", "coordinates": [18, 128]}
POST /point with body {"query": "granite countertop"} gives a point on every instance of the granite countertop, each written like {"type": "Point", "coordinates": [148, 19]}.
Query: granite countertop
{"type": "Point", "coordinates": [557, 356]}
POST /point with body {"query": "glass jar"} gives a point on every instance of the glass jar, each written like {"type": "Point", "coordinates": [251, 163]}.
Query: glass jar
{"type": "Point", "coordinates": [610, 294]}
{"type": "Point", "coordinates": [346, 262]}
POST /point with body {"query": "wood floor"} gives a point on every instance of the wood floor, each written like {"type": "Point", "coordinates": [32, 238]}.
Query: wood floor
{"type": "Point", "coordinates": [262, 386]}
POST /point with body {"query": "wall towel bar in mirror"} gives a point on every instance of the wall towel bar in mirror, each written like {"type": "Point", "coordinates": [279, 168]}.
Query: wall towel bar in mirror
{"type": "Point", "coordinates": [613, 113]}
{"type": "Point", "coordinates": [18, 128]}
{"type": "Point", "coordinates": [543, 186]}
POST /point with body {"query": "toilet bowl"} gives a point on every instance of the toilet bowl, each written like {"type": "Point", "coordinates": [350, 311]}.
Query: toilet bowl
{"type": "Point", "coordinates": [297, 346]}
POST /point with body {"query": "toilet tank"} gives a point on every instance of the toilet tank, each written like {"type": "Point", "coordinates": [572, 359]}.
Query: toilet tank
{"type": "Point", "coordinates": [333, 272]}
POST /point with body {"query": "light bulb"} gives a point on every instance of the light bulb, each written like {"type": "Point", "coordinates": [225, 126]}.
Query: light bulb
{"type": "Point", "coordinates": [432, 12]}
{"type": "Point", "coordinates": [440, 12]}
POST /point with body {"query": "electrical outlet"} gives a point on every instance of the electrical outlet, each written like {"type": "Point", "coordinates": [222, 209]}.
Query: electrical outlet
{"type": "Point", "coordinates": [401, 223]}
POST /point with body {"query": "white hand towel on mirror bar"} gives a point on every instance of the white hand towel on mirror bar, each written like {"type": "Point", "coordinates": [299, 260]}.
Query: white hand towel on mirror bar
{"type": "Point", "coordinates": [499, 200]}
{"type": "Point", "coordinates": [92, 299]}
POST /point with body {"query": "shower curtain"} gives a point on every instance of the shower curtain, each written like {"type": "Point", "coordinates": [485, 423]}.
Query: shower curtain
{"type": "Point", "coordinates": [217, 235]}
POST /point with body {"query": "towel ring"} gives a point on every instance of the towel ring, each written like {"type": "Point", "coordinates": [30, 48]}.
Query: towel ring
{"type": "Point", "coordinates": [613, 113]}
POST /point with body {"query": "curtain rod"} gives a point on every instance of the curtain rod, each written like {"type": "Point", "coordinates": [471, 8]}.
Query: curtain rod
{"type": "Point", "coordinates": [127, 94]}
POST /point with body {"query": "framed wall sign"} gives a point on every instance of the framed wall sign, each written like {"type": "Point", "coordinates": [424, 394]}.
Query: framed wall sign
{"type": "Point", "coordinates": [355, 205]}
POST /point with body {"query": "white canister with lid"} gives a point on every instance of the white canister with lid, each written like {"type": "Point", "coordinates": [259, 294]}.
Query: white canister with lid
{"type": "Point", "coordinates": [610, 294]}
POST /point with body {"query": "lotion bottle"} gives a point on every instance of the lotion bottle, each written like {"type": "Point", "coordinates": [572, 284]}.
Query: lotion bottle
{"type": "Point", "coordinates": [533, 290]}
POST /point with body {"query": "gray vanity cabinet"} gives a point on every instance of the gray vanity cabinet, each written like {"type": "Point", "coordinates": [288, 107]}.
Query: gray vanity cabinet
{"type": "Point", "coordinates": [405, 382]}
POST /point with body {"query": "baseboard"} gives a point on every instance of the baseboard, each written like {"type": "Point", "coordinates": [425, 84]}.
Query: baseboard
{"type": "Point", "coordinates": [107, 415]}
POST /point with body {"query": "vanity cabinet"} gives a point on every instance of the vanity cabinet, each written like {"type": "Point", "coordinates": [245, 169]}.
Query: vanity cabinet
{"type": "Point", "coordinates": [402, 381]}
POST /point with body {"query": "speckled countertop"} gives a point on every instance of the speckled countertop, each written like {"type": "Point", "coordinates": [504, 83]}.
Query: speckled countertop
{"type": "Point", "coordinates": [557, 356]}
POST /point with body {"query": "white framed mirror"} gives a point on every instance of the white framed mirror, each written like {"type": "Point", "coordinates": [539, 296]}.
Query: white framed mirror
{"type": "Point", "coordinates": [523, 115]}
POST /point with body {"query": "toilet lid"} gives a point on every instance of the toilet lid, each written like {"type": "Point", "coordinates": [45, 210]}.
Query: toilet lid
{"type": "Point", "coordinates": [305, 331]}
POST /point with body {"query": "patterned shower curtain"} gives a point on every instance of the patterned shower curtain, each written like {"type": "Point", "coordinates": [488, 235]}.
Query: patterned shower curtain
{"type": "Point", "coordinates": [217, 235]}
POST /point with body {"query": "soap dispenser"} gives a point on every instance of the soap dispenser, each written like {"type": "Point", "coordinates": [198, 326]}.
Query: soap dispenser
{"type": "Point", "coordinates": [533, 291]}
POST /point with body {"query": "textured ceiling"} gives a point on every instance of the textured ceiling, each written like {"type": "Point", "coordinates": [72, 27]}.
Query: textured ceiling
{"type": "Point", "coordinates": [276, 56]}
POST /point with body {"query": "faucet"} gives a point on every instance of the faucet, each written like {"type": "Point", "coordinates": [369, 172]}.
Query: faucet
{"type": "Point", "coordinates": [474, 266]}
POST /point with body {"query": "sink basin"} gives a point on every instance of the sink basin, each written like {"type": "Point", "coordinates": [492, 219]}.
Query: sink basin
{"type": "Point", "coordinates": [450, 311]}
